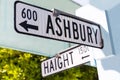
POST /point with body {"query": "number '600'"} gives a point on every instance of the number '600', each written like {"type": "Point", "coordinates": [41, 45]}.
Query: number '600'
{"type": "Point", "coordinates": [27, 13]}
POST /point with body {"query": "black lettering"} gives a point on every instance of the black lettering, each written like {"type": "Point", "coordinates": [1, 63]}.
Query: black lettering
{"type": "Point", "coordinates": [71, 57]}
{"type": "Point", "coordinates": [75, 30]}
{"type": "Point", "coordinates": [89, 31]}
{"type": "Point", "coordinates": [34, 15]}
{"type": "Point", "coordinates": [51, 66]}
{"type": "Point", "coordinates": [46, 69]}
{"type": "Point", "coordinates": [67, 27]}
{"type": "Point", "coordinates": [59, 33]}
{"type": "Point", "coordinates": [82, 32]}
{"type": "Point", "coordinates": [55, 64]}
{"type": "Point", "coordinates": [65, 60]}
{"type": "Point", "coordinates": [95, 32]}
{"type": "Point", "coordinates": [59, 63]}
{"type": "Point", "coordinates": [50, 25]}
{"type": "Point", "coordinates": [29, 15]}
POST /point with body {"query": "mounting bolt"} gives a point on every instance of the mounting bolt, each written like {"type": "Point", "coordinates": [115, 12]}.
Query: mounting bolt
{"type": "Point", "coordinates": [55, 12]}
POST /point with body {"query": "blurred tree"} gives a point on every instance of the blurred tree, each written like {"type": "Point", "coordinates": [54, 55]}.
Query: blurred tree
{"type": "Point", "coordinates": [17, 65]}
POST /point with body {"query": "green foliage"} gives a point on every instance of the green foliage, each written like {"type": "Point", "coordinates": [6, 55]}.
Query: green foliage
{"type": "Point", "coordinates": [17, 65]}
{"type": "Point", "coordinates": [83, 72]}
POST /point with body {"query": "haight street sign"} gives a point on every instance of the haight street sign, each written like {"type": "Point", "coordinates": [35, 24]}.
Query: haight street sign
{"type": "Point", "coordinates": [37, 21]}
{"type": "Point", "coordinates": [67, 59]}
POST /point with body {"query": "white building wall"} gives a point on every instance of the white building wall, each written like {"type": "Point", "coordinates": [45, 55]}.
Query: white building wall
{"type": "Point", "coordinates": [108, 58]}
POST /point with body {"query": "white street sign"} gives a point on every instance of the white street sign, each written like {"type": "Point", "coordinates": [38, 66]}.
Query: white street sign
{"type": "Point", "coordinates": [66, 59]}
{"type": "Point", "coordinates": [37, 21]}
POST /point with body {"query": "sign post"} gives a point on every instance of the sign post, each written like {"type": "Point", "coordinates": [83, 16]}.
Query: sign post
{"type": "Point", "coordinates": [40, 22]}
{"type": "Point", "coordinates": [66, 59]}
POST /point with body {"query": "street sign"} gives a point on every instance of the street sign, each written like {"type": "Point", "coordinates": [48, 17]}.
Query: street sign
{"type": "Point", "coordinates": [66, 59]}
{"type": "Point", "coordinates": [9, 38]}
{"type": "Point", "coordinates": [57, 25]}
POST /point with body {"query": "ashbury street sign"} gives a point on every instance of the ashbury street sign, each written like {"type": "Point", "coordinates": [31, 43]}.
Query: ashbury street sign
{"type": "Point", "coordinates": [57, 25]}
{"type": "Point", "coordinates": [66, 59]}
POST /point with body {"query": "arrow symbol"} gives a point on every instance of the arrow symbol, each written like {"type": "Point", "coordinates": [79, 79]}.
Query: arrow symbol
{"type": "Point", "coordinates": [28, 26]}
{"type": "Point", "coordinates": [85, 56]}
